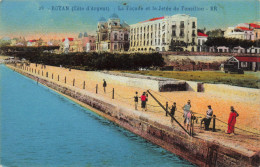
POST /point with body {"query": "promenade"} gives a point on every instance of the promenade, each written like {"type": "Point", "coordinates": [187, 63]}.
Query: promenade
{"type": "Point", "coordinates": [249, 110]}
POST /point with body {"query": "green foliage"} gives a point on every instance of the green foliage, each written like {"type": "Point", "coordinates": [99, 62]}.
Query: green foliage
{"type": "Point", "coordinates": [88, 61]}
{"type": "Point", "coordinates": [230, 42]}
{"type": "Point", "coordinates": [249, 79]}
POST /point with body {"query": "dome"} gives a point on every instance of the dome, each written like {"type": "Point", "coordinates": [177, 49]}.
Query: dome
{"type": "Point", "coordinates": [114, 16]}
{"type": "Point", "coordinates": [102, 19]}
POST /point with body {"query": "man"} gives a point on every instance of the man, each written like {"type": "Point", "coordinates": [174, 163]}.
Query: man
{"type": "Point", "coordinates": [136, 100]}
{"type": "Point", "coordinates": [232, 120]}
{"type": "Point", "coordinates": [104, 85]}
{"type": "Point", "coordinates": [143, 100]}
{"type": "Point", "coordinates": [207, 119]}
{"type": "Point", "coordinates": [173, 109]}
{"type": "Point", "coordinates": [186, 109]}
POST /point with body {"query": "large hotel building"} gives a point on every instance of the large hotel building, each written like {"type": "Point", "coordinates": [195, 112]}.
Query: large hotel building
{"type": "Point", "coordinates": [158, 34]}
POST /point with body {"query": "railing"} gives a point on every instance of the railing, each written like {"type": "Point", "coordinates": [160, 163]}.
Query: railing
{"type": "Point", "coordinates": [167, 113]}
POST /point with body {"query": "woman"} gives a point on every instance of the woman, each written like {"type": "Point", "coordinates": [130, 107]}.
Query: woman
{"type": "Point", "coordinates": [188, 119]}
{"type": "Point", "coordinates": [232, 120]}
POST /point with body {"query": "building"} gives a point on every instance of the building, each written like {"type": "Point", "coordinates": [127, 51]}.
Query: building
{"type": "Point", "coordinates": [88, 42]}
{"type": "Point", "coordinates": [256, 29]}
{"type": "Point", "coordinates": [32, 42]}
{"type": "Point", "coordinates": [112, 35]}
{"type": "Point", "coordinates": [254, 50]}
{"type": "Point", "coordinates": [242, 33]}
{"type": "Point", "coordinates": [164, 34]}
{"type": "Point", "coordinates": [202, 38]}
{"type": "Point", "coordinates": [239, 49]}
{"type": "Point", "coordinates": [245, 62]}
{"type": "Point", "coordinates": [245, 31]}
{"type": "Point", "coordinates": [65, 45]}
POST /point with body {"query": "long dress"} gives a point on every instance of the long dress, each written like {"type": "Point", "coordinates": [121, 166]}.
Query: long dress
{"type": "Point", "coordinates": [231, 122]}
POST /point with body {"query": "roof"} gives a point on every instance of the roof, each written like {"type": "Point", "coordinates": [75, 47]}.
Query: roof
{"type": "Point", "coordinates": [33, 40]}
{"type": "Point", "coordinates": [153, 19]}
{"type": "Point", "coordinates": [202, 34]}
{"type": "Point", "coordinates": [248, 58]}
{"type": "Point", "coordinates": [102, 19]}
{"type": "Point", "coordinates": [244, 28]}
{"type": "Point", "coordinates": [114, 16]}
{"type": "Point", "coordinates": [70, 39]}
{"type": "Point", "coordinates": [254, 25]}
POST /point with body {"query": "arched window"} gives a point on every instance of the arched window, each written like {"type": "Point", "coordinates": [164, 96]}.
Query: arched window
{"type": "Point", "coordinates": [115, 36]}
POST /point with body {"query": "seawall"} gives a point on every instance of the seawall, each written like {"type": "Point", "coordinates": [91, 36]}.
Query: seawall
{"type": "Point", "coordinates": [199, 151]}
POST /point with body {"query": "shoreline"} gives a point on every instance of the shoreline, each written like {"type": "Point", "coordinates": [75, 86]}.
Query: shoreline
{"type": "Point", "coordinates": [197, 150]}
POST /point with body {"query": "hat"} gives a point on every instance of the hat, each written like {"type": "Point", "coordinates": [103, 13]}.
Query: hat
{"type": "Point", "coordinates": [209, 105]}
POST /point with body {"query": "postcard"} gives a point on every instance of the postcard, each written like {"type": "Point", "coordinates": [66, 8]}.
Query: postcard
{"type": "Point", "coordinates": [129, 83]}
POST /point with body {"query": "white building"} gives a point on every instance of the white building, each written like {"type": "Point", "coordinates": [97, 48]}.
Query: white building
{"type": "Point", "coordinates": [239, 33]}
{"type": "Point", "coordinates": [202, 38]}
{"type": "Point", "coordinates": [158, 33]}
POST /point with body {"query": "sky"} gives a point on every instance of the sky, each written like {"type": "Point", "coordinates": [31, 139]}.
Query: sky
{"type": "Point", "coordinates": [34, 18]}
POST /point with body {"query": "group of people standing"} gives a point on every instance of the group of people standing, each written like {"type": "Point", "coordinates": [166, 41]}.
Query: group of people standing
{"type": "Point", "coordinates": [187, 113]}
{"type": "Point", "coordinates": [144, 99]}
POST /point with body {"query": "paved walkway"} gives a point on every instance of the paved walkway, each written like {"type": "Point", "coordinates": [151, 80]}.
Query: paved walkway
{"type": "Point", "coordinates": [249, 111]}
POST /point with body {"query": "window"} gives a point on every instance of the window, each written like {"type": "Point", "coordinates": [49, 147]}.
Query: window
{"type": "Point", "coordinates": [182, 24]}
{"type": "Point", "coordinates": [126, 37]}
{"type": "Point", "coordinates": [115, 47]}
{"type": "Point", "coordinates": [193, 33]}
{"type": "Point", "coordinates": [243, 64]}
{"type": "Point", "coordinates": [181, 33]}
{"type": "Point", "coordinates": [115, 37]}
{"type": "Point", "coordinates": [173, 33]}
{"type": "Point", "coordinates": [193, 24]}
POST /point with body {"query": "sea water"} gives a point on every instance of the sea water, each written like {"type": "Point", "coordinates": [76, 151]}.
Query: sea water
{"type": "Point", "coordinates": [40, 127]}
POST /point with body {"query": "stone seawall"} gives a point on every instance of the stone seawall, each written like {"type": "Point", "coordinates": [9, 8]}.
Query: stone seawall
{"type": "Point", "coordinates": [199, 151]}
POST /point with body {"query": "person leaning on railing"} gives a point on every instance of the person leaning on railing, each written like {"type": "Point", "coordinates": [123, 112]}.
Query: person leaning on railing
{"type": "Point", "coordinates": [207, 119]}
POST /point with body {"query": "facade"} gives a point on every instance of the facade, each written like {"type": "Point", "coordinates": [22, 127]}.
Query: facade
{"type": "Point", "coordinates": [239, 49]}
{"type": "Point", "coordinates": [239, 33]}
{"type": "Point", "coordinates": [202, 38]}
{"type": "Point", "coordinates": [65, 45]}
{"type": "Point", "coordinates": [32, 42]}
{"type": "Point", "coordinates": [89, 43]}
{"type": "Point", "coordinates": [112, 35]}
{"type": "Point", "coordinates": [159, 33]}
{"type": "Point", "coordinates": [253, 50]}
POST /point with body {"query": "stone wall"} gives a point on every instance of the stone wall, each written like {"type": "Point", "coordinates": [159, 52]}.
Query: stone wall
{"type": "Point", "coordinates": [140, 81]}
{"type": "Point", "coordinates": [226, 90]}
{"type": "Point", "coordinates": [196, 150]}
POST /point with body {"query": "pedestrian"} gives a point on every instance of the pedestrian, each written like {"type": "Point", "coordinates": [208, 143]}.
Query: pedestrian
{"type": "Point", "coordinates": [104, 85]}
{"type": "Point", "coordinates": [186, 109]}
{"type": "Point", "coordinates": [146, 101]}
{"type": "Point", "coordinates": [143, 100]}
{"type": "Point", "coordinates": [136, 100]}
{"type": "Point", "coordinates": [172, 113]}
{"type": "Point", "coordinates": [188, 119]}
{"type": "Point", "coordinates": [232, 120]}
{"type": "Point", "coordinates": [207, 119]}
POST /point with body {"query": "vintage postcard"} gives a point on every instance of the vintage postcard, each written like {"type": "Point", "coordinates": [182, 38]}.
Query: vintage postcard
{"type": "Point", "coordinates": [127, 83]}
